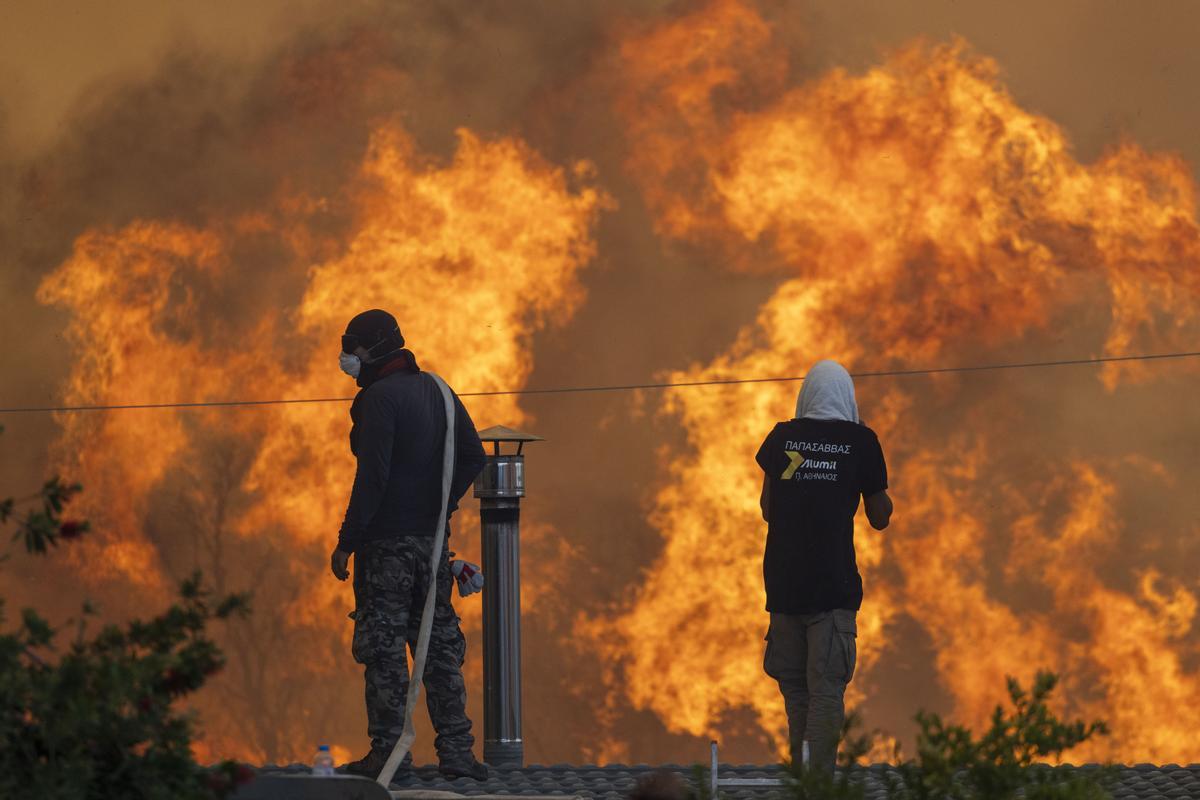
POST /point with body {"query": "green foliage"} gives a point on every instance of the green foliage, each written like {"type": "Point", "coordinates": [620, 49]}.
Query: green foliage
{"type": "Point", "coordinates": [1007, 761]}
{"type": "Point", "coordinates": [41, 528]}
{"type": "Point", "coordinates": [96, 718]}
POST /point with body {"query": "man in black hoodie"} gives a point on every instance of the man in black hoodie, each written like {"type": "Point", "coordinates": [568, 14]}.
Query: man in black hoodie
{"type": "Point", "coordinates": [816, 467]}
{"type": "Point", "coordinates": [398, 437]}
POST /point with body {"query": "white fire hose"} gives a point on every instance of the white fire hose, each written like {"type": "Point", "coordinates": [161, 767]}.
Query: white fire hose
{"type": "Point", "coordinates": [404, 744]}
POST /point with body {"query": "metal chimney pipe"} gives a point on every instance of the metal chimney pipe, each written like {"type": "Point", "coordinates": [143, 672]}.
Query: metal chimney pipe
{"type": "Point", "coordinates": [500, 487]}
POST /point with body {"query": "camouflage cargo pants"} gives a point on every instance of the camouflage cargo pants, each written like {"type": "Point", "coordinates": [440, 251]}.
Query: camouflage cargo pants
{"type": "Point", "coordinates": [391, 577]}
{"type": "Point", "coordinates": [813, 658]}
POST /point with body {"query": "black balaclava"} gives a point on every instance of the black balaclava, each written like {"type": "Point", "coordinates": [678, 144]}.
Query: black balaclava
{"type": "Point", "coordinates": [378, 331]}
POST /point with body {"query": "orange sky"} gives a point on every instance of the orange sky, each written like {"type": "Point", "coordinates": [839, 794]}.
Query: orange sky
{"type": "Point", "coordinates": [1098, 67]}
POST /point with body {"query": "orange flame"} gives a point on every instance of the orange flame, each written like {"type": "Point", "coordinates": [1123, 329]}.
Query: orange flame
{"type": "Point", "coordinates": [914, 215]}
{"type": "Point", "coordinates": [473, 256]}
{"type": "Point", "coordinates": [921, 218]}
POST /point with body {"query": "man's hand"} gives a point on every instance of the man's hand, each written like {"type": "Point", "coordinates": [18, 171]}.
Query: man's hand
{"type": "Point", "coordinates": [879, 509]}
{"type": "Point", "coordinates": [339, 564]}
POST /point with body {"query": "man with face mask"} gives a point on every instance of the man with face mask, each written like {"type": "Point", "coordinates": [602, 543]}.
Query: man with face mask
{"type": "Point", "coordinates": [398, 434]}
{"type": "Point", "coordinates": [816, 467]}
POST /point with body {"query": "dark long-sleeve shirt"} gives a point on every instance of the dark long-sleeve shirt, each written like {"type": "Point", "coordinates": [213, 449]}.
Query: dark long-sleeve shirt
{"type": "Point", "coordinates": [398, 437]}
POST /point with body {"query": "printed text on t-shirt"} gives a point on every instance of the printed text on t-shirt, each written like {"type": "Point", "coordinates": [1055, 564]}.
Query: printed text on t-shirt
{"type": "Point", "coordinates": [800, 467]}
{"type": "Point", "coordinates": [817, 447]}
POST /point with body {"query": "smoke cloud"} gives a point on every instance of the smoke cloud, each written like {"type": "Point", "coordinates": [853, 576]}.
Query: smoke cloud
{"type": "Point", "coordinates": [553, 195]}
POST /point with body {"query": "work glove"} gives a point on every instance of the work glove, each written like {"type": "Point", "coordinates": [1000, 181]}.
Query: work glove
{"type": "Point", "coordinates": [468, 576]}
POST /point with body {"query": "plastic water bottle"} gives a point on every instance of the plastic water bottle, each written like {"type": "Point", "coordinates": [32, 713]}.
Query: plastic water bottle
{"type": "Point", "coordinates": [323, 763]}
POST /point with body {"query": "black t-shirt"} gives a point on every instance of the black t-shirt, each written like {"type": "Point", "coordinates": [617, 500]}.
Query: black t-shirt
{"type": "Point", "coordinates": [817, 470]}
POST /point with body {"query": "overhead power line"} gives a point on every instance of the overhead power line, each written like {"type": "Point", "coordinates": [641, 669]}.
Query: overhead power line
{"type": "Point", "coordinates": [626, 387]}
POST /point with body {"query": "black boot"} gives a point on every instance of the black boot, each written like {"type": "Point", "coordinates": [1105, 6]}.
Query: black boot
{"type": "Point", "coordinates": [370, 765]}
{"type": "Point", "coordinates": [463, 766]}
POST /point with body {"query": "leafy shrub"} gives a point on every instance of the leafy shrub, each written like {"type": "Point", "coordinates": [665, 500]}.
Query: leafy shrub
{"type": "Point", "coordinates": [98, 720]}
{"type": "Point", "coordinates": [1008, 760]}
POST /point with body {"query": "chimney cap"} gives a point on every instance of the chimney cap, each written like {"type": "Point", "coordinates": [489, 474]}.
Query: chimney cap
{"type": "Point", "coordinates": [499, 433]}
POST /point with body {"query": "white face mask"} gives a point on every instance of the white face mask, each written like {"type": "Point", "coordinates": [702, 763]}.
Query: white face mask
{"type": "Point", "coordinates": [350, 364]}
